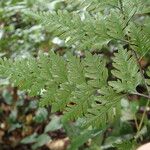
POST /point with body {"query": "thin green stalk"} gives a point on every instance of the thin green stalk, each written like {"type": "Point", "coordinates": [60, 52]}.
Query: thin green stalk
{"type": "Point", "coordinates": [136, 123]}
{"type": "Point", "coordinates": [140, 94]}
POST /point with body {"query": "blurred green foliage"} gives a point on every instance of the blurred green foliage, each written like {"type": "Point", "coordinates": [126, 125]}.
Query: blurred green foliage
{"type": "Point", "coordinates": [19, 34]}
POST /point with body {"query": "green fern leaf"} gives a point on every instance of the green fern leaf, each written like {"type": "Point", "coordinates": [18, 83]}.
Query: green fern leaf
{"type": "Point", "coordinates": [63, 96]}
{"type": "Point", "coordinates": [58, 70]}
{"type": "Point", "coordinates": [66, 25]}
{"type": "Point", "coordinates": [140, 39]}
{"type": "Point", "coordinates": [115, 25]}
{"type": "Point", "coordinates": [82, 99]}
{"type": "Point", "coordinates": [105, 109]}
{"type": "Point", "coordinates": [48, 97]}
{"type": "Point", "coordinates": [75, 70]}
{"type": "Point", "coordinates": [126, 71]}
{"type": "Point", "coordinates": [95, 70]}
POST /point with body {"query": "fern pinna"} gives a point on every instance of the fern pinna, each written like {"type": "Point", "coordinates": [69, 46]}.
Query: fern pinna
{"type": "Point", "coordinates": [87, 87]}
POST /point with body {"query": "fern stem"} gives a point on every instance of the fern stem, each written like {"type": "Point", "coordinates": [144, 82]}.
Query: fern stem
{"type": "Point", "coordinates": [136, 123]}
{"type": "Point", "coordinates": [140, 94]}
{"type": "Point", "coordinates": [148, 102]}
{"type": "Point", "coordinates": [127, 23]}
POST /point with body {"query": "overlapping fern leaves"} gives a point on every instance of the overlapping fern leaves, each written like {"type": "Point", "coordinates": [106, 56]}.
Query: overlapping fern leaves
{"type": "Point", "coordinates": [83, 33]}
{"type": "Point", "coordinates": [78, 87]}
{"type": "Point", "coordinates": [127, 72]}
{"type": "Point", "coordinates": [89, 30]}
{"type": "Point", "coordinates": [82, 87]}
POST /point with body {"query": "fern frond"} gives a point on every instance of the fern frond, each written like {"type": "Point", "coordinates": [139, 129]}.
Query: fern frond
{"type": "Point", "coordinates": [95, 77]}
{"type": "Point", "coordinates": [95, 70]}
{"type": "Point", "coordinates": [63, 96]}
{"type": "Point", "coordinates": [70, 85]}
{"type": "Point", "coordinates": [75, 70]}
{"type": "Point", "coordinates": [93, 6]}
{"type": "Point", "coordinates": [82, 99]}
{"type": "Point", "coordinates": [23, 74]}
{"type": "Point", "coordinates": [59, 72]}
{"type": "Point", "coordinates": [5, 65]}
{"type": "Point", "coordinates": [137, 6]}
{"type": "Point", "coordinates": [99, 5]}
{"type": "Point", "coordinates": [140, 39]}
{"type": "Point", "coordinates": [105, 109]}
{"type": "Point", "coordinates": [115, 25]}
{"type": "Point", "coordinates": [78, 87]}
{"type": "Point", "coordinates": [89, 32]}
{"type": "Point", "coordinates": [126, 71]}
{"type": "Point", "coordinates": [48, 97]}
